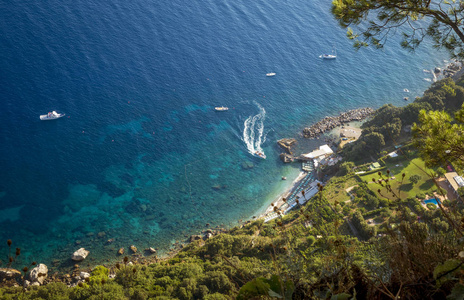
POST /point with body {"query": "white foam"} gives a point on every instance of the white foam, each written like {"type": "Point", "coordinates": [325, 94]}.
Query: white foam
{"type": "Point", "coordinates": [253, 131]}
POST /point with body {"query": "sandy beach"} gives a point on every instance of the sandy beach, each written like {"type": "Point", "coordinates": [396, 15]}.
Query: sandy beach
{"type": "Point", "coordinates": [278, 202]}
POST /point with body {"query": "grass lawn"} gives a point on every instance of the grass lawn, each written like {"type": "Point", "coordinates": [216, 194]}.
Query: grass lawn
{"type": "Point", "coordinates": [336, 191]}
{"type": "Point", "coordinates": [407, 189]}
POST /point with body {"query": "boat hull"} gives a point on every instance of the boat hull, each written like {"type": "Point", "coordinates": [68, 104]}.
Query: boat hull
{"type": "Point", "coordinates": [51, 117]}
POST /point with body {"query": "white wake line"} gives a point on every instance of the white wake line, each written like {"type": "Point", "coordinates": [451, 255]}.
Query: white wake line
{"type": "Point", "coordinates": [254, 125]}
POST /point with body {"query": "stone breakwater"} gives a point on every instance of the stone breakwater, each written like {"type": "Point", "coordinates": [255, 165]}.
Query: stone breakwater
{"type": "Point", "coordinates": [328, 123]}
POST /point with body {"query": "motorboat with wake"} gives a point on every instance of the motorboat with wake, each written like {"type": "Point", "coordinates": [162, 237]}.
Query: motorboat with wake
{"type": "Point", "coordinates": [270, 74]}
{"type": "Point", "coordinates": [260, 154]}
{"type": "Point", "coordinates": [51, 116]}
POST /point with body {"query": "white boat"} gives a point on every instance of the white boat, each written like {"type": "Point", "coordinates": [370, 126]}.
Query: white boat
{"type": "Point", "coordinates": [270, 74]}
{"type": "Point", "coordinates": [51, 116]}
{"type": "Point", "coordinates": [260, 154]}
{"type": "Point", "coordinates": [330, 56]}
{"type": "Point", "coordinates": [221, 108]}
{"type": "Point", "coordinates": [406, 90]}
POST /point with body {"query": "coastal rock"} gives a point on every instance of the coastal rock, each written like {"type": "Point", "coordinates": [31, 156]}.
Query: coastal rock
{"type": "Point", "coordinates": [8, 273]}
{"type": "Point", "coordinates": [80, 254]}
{"type": "Point", "coordinates": [84, 275]}
{"type": "Point", "coordinates": [152, 250]}
{"type": "Point", "coordinates": [121, 251]}
{"type": "Point", "coordinates": [194, 237]}
{"type": "Point", "coordinates": [133, 248]}
{"type": "Point", "coordinates": [286, 144]}
{"type": "Point", "coordinates": [35, 284]}
{"type": "Point", "coordinates": [208, 236]}
{"type": "Point", "coordinates": [286, 158]}
{"type": "Point", "coordinates": [39, 273]}
{"type": "Point", "coordinates": [328, 123]}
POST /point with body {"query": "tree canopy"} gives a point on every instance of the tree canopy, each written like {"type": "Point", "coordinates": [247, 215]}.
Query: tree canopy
{"type": "Point", "coordinates": [377, 20]}
{"type": "Point", "coordinates": [438, 139]}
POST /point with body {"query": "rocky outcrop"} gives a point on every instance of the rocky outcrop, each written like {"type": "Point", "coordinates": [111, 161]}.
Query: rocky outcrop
{"type": "Point", "coordinates": [39, 273]}
{"type": "Point", "coordinates": [194, 238]}
{"type": "Point", "coordinates": [8, 273]}
{"type": "Point", "coordinates": [80, 254]}
{"type": "Point", "coordinates": [133, 249]}
{"type": "Point", "coordinates": [328, 123]}
{"type": "Point", "coordinates": [286, 144]}
{"type": "Point", "coordinates": [286, 158]}
{"type": "Point", "coordinates": [121, 251]}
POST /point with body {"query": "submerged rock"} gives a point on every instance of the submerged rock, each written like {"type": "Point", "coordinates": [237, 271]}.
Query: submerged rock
{"type": "Point", "coordinates": [133, 248]}
{"type": "Point", "coordinates": [80, 254]}
{"type": "Point", "coordinates": [39, 273]}
{"type": "Point", "coordinates": [246, 165]}
{"type": "Point", "coordinates": [121, 251]}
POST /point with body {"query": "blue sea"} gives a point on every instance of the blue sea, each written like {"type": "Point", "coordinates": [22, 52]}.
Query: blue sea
{"type": "Point", "coordinates": [141, 156]}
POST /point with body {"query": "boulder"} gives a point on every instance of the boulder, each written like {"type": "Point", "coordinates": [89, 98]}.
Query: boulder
{"type": "Point", "coordinates": [152, 250]}
{"type": "Point", "coordinates": [194, 237]}
{"type": "Point", "coordinates": [84, 275]}
{"type": "Point", "coordinates": [9, 273]}
{"type": "Point", "coordinates": [39, 273]}
{"type": "Point", "coordinates": [80, 254]}
{"type": "Point", "coordinates": [121, 251]}
{"type": "Point", "coordinates": [286, 158]}
{"type": "Point", "coordinates": [208, 235]}
{"type": "Point", "coordinates": [133, 248]}
{"type": "Point", "coordinates": [286, 144]}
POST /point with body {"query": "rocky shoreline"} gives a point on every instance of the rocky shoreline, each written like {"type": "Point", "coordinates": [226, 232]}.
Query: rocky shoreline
{"type": "Point", "coordinates": [329, 123]}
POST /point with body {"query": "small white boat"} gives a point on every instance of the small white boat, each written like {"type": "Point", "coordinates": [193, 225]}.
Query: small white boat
{"type": "Point", "coordinates": [260, 154]}
{"type": "Point", "coordinates": [328, 56]}
{"type": "Point", "coordinates": [51, 116]}
{"type": "Point", "coordinates": [270, 74]}
{"type": "Point", "coordinates": [406, 90]}
{"type": "Point", "coordinates": [221, 108]}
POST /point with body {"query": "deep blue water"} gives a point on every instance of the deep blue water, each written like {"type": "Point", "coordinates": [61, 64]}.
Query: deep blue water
{"type": "Point", "coordinates": [141, 154]}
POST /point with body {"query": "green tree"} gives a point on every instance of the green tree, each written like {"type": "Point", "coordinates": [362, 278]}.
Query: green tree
{"type": "Point", "coordinates": [461, 192]}
{"type": "Point", "coordinates": [438, 140]}
{"type": "Point", "coordinates": [374, 141]}
{"type": "Point", "coordinates": [377, 20]}
{"type": "Point", "coordinates": [415, 178]}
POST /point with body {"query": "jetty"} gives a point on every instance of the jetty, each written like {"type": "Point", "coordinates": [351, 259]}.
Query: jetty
{"type": "Point", "coordinates": [329, 123]}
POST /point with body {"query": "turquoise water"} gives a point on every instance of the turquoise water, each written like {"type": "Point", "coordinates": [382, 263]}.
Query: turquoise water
{"type": "Point", "coordinates": [434, 201]}
{"type": "Point", "coordinates": [141, 156]}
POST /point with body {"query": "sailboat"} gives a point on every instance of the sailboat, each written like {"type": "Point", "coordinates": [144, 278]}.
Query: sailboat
{"type": "Point", "coordinates": [330, 56]}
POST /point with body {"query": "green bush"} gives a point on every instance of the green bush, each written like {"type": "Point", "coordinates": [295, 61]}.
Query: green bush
{"type": "Point", "coordinates": [431, 206]}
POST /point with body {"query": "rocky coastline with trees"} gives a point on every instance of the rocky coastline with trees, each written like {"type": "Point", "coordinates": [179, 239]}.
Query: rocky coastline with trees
{"type": "Point", "coordinates": [329, 123]}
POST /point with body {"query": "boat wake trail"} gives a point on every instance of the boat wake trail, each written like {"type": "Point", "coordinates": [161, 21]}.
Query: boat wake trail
{"type": "Point", "coordinates": [253, 133]}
